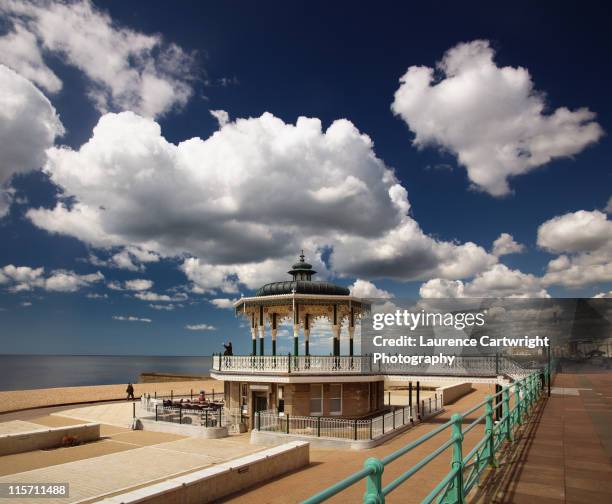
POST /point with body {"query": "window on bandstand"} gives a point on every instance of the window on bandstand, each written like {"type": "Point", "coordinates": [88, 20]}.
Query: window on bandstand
{"type": "Point", "coordinates": [316, 399]}
{"type": "Point", "coordinates": [335, 399]}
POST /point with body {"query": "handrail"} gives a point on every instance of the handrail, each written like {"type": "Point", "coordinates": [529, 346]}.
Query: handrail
{"type": "Point", "coordinates": [464, 473]}
{"type": "Point", "coordinates": [465, 365]}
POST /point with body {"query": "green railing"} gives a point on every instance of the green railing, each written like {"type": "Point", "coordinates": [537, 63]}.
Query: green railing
{"type": "Point", "coordinates": [465, 470]}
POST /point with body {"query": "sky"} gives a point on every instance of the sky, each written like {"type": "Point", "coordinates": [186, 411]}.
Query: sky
{"type": "Point", "coordinates": [156, 164]}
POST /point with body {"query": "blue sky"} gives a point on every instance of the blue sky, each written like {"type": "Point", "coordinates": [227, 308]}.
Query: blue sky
{"type": "Point", "coordinates": [125, 222]}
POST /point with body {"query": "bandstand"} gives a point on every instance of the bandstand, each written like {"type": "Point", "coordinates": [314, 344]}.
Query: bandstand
{"type": "Point", "coordinates": [301, 383]}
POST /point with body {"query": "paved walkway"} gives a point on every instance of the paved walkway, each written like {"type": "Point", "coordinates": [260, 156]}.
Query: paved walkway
{"type": "Point", "coordinates": [117, 414]}
{"type": "Point", "coordinates": [19, 426]}
{"type": "Point", "coordinates": [329, 466]}
{"type": "Point", "coordinates": [122, 460]}
{"type": "Point", "coordinates": [565, 454]}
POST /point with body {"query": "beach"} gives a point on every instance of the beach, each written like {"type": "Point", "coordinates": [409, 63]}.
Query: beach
{"type": "Point", "coordinates": [16, 400]}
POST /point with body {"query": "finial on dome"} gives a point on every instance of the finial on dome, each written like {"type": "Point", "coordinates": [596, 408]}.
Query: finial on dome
{"type": "Point", "coordinates": [302, 256]}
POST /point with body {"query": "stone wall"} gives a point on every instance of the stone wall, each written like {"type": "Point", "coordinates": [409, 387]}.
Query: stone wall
{"type": "Point", "coordinates": [50, 438]}
{"type": "Point", "coordinates": [221, 480]}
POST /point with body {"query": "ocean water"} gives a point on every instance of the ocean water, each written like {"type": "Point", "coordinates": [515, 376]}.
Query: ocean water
{"type": "Point", "coordinates": [18, 372]}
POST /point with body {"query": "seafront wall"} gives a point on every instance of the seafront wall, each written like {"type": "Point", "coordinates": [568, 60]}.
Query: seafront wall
{"type": "Point", "coordinates": [50, 438]}
{"type": "Point", "coordinates": [453, 392]}
{"type": "Point", "coordinates": [213, 483]}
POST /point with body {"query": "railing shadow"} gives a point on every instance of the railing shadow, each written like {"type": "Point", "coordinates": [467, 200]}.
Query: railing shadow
{"type": "Point", "coordinates": [503, 480]}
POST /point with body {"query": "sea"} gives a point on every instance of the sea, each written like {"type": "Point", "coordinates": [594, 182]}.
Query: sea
{"type": "Point", "coordinates": [20, 372]}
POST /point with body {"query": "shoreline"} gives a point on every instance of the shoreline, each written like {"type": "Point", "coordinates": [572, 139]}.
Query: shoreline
{"type": "Point", "coordinates": [21, 400]}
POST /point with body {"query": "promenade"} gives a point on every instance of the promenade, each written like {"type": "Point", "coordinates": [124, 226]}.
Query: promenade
{"type": "Point", "coordinates": [565, 454]}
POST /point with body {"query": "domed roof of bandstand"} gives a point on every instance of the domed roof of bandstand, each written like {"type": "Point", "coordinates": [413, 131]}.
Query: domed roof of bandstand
{"type": "Point", "coordinates": [302, 283]}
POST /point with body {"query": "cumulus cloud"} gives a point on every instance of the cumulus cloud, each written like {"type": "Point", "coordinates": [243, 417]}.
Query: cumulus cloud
{"type": "Point", "coordinates": [221, 116]}
{"type": "Point", "coordinates": [584, 241]}
{"type": "Point", "coordinates": [366, 289]}
{"type": "Point", "coordinates": [131, 318]}
{"type": "Point", "coordinates": [505, 244]}
{"type": "Point", "coordinates": [490, 117]}
{"type": "Point", "coordinates": [200, 327]}
{"type": "Point", "coordinates": [225, 303]}
{"type": "Point", "coordinates": [28, 126]}
{"type": "Point", "coordinates": [498, 281]}
{"type": "Point", "coordinates": [138, 284]}
{"type": "Point", "coordinates": [126, 69]}
{"type": "Point", "coordinates": [161, 307]}
{"type": "Point", "coordinates": [155, 297]}
{"type": "Point", "coordinates": [20, 51]}
{"type": "Point", "coordinates": [242, 202]}
{"type": "Point", "coordinates": [130, 258]}
{"type": "Point", "coordinates": [25, 278]}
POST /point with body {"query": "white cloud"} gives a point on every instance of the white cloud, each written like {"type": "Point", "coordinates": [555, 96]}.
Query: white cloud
{"type": "Point", "coordinates": [126, 69]}
{"type": "Point", "coordinates": [138, 284]}
{"type": "Point", "coordinates": [130, 258]}
{"type": "Point", "coordinates": [584, 240]}
{"type": "Point", "coordinates": [68, 281]}
{"type": "Point", "coordinates": [580, 231]}
{"type": "Point", "coordinates": [226, 199]}
{"type": "Point", "coordinates": [168, 307]}
{"type": "Point", "coordinates": [200, 327]}
{"type": "Point", "coordinates": [131, 318]}
{"type": "Point", "coordinates": [366, 289]}
{"type": "Point", "coordinates": [505, 244]}
{"type": "Point", "coordinates": [24, 278]}
{"type": "Point", "coordinates": [490, 117]}
{"type": "Point", "coordinates": [25, 304]}
{"type": "Point", "coordinates": [498, 281]}
{"type": "Point", "coordinates": [221, 116]}
{"type": "Point", "coordinates": [93, 295]}
{"type": "Point", "coordinates": [154, 297]}
{"type": "Point", "coordinates": [28, 126]}
{"type": "Point", "coordinates": [225, 303]}
{"type": "Point", "coordinates": [19, 50]}
{"type": "Point", "coordinates": [603, 295]}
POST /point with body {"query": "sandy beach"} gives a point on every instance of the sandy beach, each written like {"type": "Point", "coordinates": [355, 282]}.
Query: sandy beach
{"type": "Point", "coordinates": [15, 400]}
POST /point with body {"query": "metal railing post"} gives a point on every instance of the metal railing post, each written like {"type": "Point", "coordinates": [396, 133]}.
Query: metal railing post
{"type": "Point", "coordinates": [519, 403]}
{"type": "Point", "coordinates": [370, 428]}
{"type": "Point", "coordinates": [289, 362]}
{"type": "Point", "coordinates": [489, 433]}
{"type": "Point", "coordinates": [180, 415]}
{"type": "Point", "coordinates": [506, 412]}
{"type": "Point", "coordinates": [287, 424]}
{"type": "Point", "coordinates": [156, 412]}
{"type": "Point", "coordinates": [355, 427]}
{"type": "Point", "coordinates": [318, 426]}
{"type": "Point", "coordinates": [455, 494]}
{"type": "Point", "coordinates": [373, 494]}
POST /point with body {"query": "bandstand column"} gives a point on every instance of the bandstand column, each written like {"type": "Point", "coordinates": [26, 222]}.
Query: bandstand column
{"type": "Point", "coordinates": [336, 344]}
{"type": "Point", "coordinates": [262, 330]}
{"type": "Point", "coordinates": [296, 328]}
{"type": "Point", "coordinates": [336, 332]}
{"type": "Point", "coordinates": [306, 334]}
{"type": "Point", "coordinates": [273, 331]}
{"type": "Point", "coordinates": [253, 334]}
{"type": "Point", "coordinates": [351, 330]}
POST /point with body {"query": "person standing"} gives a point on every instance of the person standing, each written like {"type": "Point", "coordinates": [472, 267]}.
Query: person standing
{"type": "Point", "coordinates": [130, 391]}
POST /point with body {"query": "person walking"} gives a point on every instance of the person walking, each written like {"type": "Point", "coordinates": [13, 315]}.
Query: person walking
{"type": "Point", "coordinates": [130, 391]}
